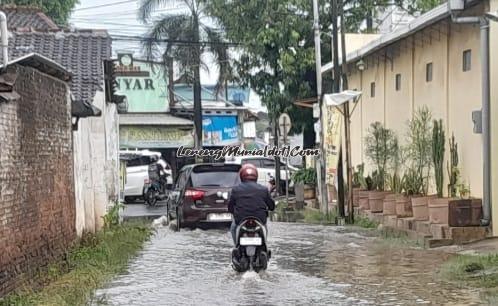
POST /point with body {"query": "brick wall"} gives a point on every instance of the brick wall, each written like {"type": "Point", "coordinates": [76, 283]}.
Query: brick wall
{"type": "Point", "coordinates": [37, 210]}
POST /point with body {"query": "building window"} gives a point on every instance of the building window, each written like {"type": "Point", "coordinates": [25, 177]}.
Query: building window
{"type": "Point", "coordinates": [398, 82]}
{"type": "Point", "coordinates": [428, 72]}
{"type": "Point", "coordinates": [467, 64]}
{"type": "Point", "coordinates": [372, 89]}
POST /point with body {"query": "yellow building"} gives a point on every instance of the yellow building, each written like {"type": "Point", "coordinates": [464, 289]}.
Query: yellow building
{"type": "Point", "coordinates": [434, 61]}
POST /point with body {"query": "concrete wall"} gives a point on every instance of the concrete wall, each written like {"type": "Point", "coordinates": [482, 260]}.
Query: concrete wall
{"type": "Point", "coordinates": [452, 94]}
{"type": "Point", "coordinates": [96, 158]}
{"type": "Point", "coordinates": [37, 210]}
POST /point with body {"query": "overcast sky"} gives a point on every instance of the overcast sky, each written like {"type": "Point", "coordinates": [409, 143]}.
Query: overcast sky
{"type": "Point", "coordinates": [119, 17]}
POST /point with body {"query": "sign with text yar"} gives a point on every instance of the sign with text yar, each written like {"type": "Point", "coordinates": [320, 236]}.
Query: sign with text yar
{"type": "Point", "coordinates": [144, 85]}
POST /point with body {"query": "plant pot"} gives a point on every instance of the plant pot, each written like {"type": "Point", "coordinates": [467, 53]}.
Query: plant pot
{"type": "Point", "coordinates": [309, 192]}
{"type": "Point", "coordinates": [464, 212]}
{"type": "Point", "coordinates": [403, 206]}
{"type": "Point", "coordinates": [420, 207]}
{"type": "Point", "coordinates": [389, 205]}
{"type": "Point", "coordinates": [299, 192]}
{"type": "Point", "coordinates": [438, 210]}
{"type": "Point", "coordinates": [356, 196]}
{"type": "Point", "coordinates": [363, 201]}
{"type": "Point", "coordinates": [376, 200]}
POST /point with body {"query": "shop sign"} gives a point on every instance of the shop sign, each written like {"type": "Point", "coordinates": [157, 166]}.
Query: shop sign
{"type": "Point", "coordinates": [146, 137]}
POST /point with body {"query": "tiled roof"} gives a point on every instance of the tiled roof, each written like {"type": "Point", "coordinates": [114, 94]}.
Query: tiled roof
{"type": "Point", "coordinates": [27, 17]}
{"type": "Point", "coordinates": [80, 52]}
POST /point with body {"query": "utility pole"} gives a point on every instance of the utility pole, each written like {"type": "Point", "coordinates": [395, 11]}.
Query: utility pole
{"type": "Point", "coordinates": [337, 88]}
{"type": "Point", "coordinates": [197, 86]}
{"type": "Point", "coordinates": [347, 119]}
{"type": "Point", "coordinates": [322, 186]}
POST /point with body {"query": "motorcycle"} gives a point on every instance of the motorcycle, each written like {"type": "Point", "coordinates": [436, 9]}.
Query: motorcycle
{"type": "Point", "coordinates": [251, 251]}
{"type": "Point", "coordinates": [154, 191]}
{"type": "Point", "coordinates": [272, 187]}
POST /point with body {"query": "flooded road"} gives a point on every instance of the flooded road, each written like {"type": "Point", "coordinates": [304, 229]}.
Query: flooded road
{"type": "Point", "coordinates": [310, 265]}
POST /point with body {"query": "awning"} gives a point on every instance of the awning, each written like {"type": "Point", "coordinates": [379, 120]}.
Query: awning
{"type": "Point", "coordinates": [153, 119]}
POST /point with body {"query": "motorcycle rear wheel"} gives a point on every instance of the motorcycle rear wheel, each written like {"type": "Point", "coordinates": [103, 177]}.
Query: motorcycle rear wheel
{"type": "Point", "coordinates": [151, 197]}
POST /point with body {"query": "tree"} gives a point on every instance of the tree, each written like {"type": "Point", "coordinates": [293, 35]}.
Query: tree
{"type": "Point", "coordinates": [278, 52]}
{"type": "Point", "coordinates": [359, 12]}
{"type": "Point", "coordinates": [187, 39]}
{"type": "Point", "coordinates": [58, 10]}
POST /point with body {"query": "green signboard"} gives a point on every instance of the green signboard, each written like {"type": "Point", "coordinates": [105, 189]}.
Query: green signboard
{"type": "Point", "coordinates": [144, 85]}
{"type": "Point", "coordinates": [150, 137]}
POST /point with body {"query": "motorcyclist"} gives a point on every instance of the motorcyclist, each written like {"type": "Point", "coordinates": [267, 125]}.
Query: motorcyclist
{"type": "Point", "coordinates": [155, 169]}
{"type": "Point", "coordinates": [249, 199]}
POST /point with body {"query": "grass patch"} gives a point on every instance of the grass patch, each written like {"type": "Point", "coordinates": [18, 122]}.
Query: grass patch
{"type": "Point", "coordinates": [317, 217]}
{"type": "Point", "coordinates": [365, 222]}
{"type": "Point", "coordinates": [88, 265]}
{"type": "Point", "coordinates": [477, 270]}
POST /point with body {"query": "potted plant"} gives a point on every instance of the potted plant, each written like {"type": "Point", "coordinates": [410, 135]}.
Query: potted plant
{"type": "Point", "coordinates": [378, 145]}
{"type": "Point", "coordinates": [366, 184]}
{"type": "Point", "coordinates": [305, 181]}
{"type": "Point", "coordinates": [394, 180]}
{"type": "Point", "coordinates": [420, 153]}
{"type": "Point", "coordinates": [439, 206]}
{"type": "Point", "coordinates": [358, 184]}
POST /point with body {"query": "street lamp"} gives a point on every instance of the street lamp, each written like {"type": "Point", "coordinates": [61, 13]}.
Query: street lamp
{"type": "Point", "coordinates": [339, 100]}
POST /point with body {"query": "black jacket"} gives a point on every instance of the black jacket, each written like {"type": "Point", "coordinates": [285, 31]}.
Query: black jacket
{"type": "Point", "coordinates": [250, 199]}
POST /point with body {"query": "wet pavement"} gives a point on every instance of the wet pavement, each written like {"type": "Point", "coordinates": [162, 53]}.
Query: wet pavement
{"type": "Point", "coordinates": [311, 265]}
{"type": "Point", "coordinates": [138, 210]}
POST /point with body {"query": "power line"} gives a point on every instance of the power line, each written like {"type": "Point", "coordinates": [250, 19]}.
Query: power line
{"type": "Point", "coordinates": [172, 41]}
{"type": "Point", "coordinates": [104, 5]}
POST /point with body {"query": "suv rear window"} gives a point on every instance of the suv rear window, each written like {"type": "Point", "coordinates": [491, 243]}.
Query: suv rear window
{"type": "Point", "coordinates": [218, 176]}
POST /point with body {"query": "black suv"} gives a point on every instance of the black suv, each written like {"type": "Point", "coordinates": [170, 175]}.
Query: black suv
{"type": "Point", "coordinates": [200, 194]}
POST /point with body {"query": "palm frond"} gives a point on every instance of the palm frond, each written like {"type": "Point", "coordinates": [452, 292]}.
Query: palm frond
{"type": "Point", "coordinates": [221, 56]}
{"type": "Point", "coordinates": [147, 7]}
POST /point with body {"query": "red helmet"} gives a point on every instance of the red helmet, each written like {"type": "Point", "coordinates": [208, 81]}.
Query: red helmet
{"type": "Point", "coordinates": [248, 172]}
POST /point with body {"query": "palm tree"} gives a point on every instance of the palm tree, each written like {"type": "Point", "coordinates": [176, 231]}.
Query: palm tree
{"type": "Point", "coordinates": [182, 38]}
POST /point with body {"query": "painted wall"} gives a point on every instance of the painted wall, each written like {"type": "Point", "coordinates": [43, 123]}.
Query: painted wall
{"type": "Point", "coordinates": [96, 159]}
{"type": "Point", "coordinates": [452, 94]}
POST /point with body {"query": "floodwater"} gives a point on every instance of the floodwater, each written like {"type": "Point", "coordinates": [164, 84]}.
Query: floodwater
{"type": "Point", "coordinates": [310, 265]}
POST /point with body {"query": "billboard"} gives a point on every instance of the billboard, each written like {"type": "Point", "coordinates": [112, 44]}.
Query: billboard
{"type": "Point", "coordinates": [220, 130]}
{"type": "Point", "coordinates": [143, 83]}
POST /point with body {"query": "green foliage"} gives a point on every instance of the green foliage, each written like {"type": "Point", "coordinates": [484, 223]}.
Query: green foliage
{"type": "Point", "coordinates": [88, 265]}
{"type": "Point", "coordinates": [452, 167]}
{"type": "Point", "coordinates": [112, 217]}
{"type": "Point", "coordinates": [359, 177]}
{"type": "Point", "coordinates": [396, 159]}
{"type": "Point", "coordinates": [413, 182]}
{"type": "Point", "coordinates": [365, 222]}
{"type": "Point", "coordinates": [438, 142]}
{"type": "Point", "coordinates": [379, 144]}
{"type": "Point", "coordinates": [358, 11]}
{"type": "Point", "coordinates": [472, 270]}
{"type": "Point", "coordinates": [419, 151]}
{"type": "Point", "coordinates": [317, 217]}
{"type": "Point", "coordinates": [186, 26]}
{"type": "Point", "coordinates": [58, 10]}
{"type": "Point", "coordinates": [464, 190]}
{"type": "Point", "coordinates": [305, 176]}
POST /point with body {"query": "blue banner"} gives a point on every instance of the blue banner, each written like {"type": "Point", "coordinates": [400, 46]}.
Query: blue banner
{"type": "Point", "coordinates": [220, 130]}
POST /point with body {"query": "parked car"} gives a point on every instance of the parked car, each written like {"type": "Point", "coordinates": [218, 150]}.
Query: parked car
{"type": "Point", "coordinates": [137, 172]}
{"type": "Point", "coordinates": [201, 193]}
{"type": "Point", "coordinates": [266, 168]}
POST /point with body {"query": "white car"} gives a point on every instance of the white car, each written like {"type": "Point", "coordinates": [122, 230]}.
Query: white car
{"type": "Point", "coordinates": [266, 168]}
{"type": "Point", "coordinates": [137, 171]}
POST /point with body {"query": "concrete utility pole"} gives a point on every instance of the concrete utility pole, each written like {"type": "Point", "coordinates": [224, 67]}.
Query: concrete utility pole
{"type": "Point", "coordinates": [321, 173]}
{"type": "Point", "coordinates": [347, 119]}
{"type": "Point", "coordinates": [337, 88]}
{"type": "Point", "coordinates": [197, 86]}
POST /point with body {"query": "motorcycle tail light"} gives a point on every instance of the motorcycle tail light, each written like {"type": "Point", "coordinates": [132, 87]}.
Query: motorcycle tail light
{"type": "Point", "coordinates": [147, 181]}
{"type": "Point", "coordinates": [194, 194]}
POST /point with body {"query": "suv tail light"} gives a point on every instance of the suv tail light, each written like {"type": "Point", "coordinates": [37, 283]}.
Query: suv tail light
{"type": "Point", "coordinates": [194, 194]}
